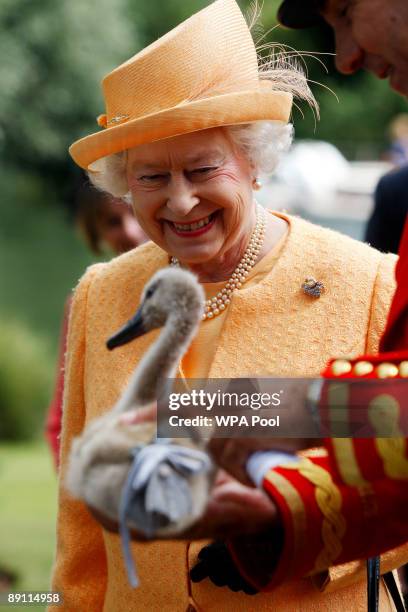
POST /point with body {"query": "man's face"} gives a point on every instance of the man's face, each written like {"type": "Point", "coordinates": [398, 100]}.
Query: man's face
{"type": "Point", "coordinates": [373, 35]}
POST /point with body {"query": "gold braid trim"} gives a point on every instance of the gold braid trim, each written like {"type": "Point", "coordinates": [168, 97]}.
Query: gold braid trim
{"type": "Point", "coordinates": [384, 413]}
{"type": "Point", "coordinates": [298, 514]}
{"type": "Point", "coordinates": [392, 451]}
{"type": "Point", "coordinates": [329, 499]}
{"type": "Point", "coordinates": [346, 462]}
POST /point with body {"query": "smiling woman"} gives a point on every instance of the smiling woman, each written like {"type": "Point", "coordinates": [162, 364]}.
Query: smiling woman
{"type": "Point", "coordinates": [192, 194]}
{"type": "Point", "coordinates": [191, 122]}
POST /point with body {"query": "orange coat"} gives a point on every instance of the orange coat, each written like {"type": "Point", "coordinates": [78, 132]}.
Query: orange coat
{"type": "Point", "coordinates": [284, 332]}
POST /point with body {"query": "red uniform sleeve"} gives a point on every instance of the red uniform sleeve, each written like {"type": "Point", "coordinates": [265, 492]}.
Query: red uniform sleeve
{"type": "Point", "coordinates": [324, 522]}
{"type": "Point", "coordinates": [395, 337]}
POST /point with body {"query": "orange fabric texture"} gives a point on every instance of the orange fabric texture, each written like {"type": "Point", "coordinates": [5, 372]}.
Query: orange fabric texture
{"type": "Point", "coordinates": [284, 332]}
{"type": "Point", "coordinates": [197, 361]}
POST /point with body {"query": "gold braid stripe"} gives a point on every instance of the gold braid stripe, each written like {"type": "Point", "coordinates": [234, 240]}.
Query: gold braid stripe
{"type": "Point", "coordinates": [384, 413]}
{"type": "Point", "coordinates": [328, 498]}
{"type": "Point", "coordinates": [347, 463]}
{"type": "Point", "coordinates": [392, 452]}
{"type": "Point", "coordinates": [298, 515]}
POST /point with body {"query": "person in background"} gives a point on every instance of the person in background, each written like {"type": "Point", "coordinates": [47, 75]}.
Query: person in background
{"type": "Point", "coordinates": [397, 153]}
{"type": "Point", "coordinates": [107, 225]}
{"type": "Point", "coordinates": [8, 579]}
{"type": "Point", "coordinates": [370, 35]}
{"type": "Point", "coordinates": [385, 226]}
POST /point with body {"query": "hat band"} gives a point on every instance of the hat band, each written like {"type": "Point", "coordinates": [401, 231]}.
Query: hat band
{"type": "Point", "coordinates": [102, 120]}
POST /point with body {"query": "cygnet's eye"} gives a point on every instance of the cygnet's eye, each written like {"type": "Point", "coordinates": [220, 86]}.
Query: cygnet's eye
{"type": "Point", "coordinates": [150, 291]}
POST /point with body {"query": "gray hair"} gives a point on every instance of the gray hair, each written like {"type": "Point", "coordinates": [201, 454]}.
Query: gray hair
{"type": "Point", "coordinates": [262, 143]}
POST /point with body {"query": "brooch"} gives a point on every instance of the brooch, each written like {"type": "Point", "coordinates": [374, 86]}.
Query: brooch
{"type": "Point", "coordinates": [313, 287]}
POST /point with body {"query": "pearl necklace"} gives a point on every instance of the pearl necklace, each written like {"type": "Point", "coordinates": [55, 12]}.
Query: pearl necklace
{"type": "Point", "coordinates": [216, 305]}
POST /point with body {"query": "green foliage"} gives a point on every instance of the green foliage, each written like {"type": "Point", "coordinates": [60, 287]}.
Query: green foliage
{"type": "Point", "coordinates": [41, 257]}
{"type": "Point", "coordinates": [357, 120]}
{"type": "Point", "coordinates": [54, 56]}
{"type": "Point", "coordinates": [41, 260]}
{"type": "Point", "coordinates": [25, 377]}
{"type": "Point", "coordinates": [153, 22]}
{"type": "Point", "coordinates": [28, 499]}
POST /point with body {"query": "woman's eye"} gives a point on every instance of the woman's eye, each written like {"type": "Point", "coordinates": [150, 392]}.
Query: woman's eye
{"type": "Point", "coordinates": [204, 170]}
{"type": "Point", "coordinates": [151, 177]}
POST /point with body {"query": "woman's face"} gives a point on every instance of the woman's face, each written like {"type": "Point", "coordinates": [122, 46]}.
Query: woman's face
{"type": "Point", "coordinates": [192, 195]}
{"type": "Point", "coordinates": [117, 226]}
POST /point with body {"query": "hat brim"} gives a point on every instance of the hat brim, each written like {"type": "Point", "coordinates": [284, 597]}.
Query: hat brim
{"type": "Point", "coordinates": [227, 109]}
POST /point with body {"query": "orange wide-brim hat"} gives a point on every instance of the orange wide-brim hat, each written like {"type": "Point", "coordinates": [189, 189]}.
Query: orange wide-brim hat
{"type": "Point", "coordinates": [200, 75]}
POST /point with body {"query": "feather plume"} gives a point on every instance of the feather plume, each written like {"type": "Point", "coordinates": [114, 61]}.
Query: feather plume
{"type": "Point", "coordinates": [282, 66]}
{"type": "Point", "coordinates": [253, 19]}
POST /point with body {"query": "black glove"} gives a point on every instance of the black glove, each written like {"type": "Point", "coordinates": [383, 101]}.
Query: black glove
{"type": "Point", "coordinates": [216, 563]}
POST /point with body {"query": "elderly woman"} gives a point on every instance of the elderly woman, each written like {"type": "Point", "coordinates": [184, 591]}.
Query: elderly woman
{"type": "Point", "coordinates": [191, 121]}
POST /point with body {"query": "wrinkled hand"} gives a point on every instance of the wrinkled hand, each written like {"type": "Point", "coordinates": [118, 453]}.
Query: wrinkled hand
{"type": "Point", "coordinates": [234, 509]}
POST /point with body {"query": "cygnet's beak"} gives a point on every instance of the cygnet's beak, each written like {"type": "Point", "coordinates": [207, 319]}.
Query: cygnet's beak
{"type": "Point", "coordinates": [131, 330]}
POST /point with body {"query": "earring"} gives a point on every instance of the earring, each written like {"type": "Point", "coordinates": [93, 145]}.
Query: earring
{"type": "Point", "coordinates": [256, 184]}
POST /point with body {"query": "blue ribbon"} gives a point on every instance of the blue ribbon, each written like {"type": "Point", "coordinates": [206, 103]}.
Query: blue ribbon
{"type": "Point", "coordinates": [157, 490]}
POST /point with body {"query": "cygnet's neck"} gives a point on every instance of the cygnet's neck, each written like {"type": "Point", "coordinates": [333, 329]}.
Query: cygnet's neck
{"type": "Point", "coordinates": [159, 364]}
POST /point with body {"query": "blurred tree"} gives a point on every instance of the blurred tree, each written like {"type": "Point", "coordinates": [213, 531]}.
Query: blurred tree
{"type": "Point", "coordinates": [25, 381]}
{"type": "Point", "coordinates": [153, 22]}
{"type": "Point", "coordinates": [54, 55]}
